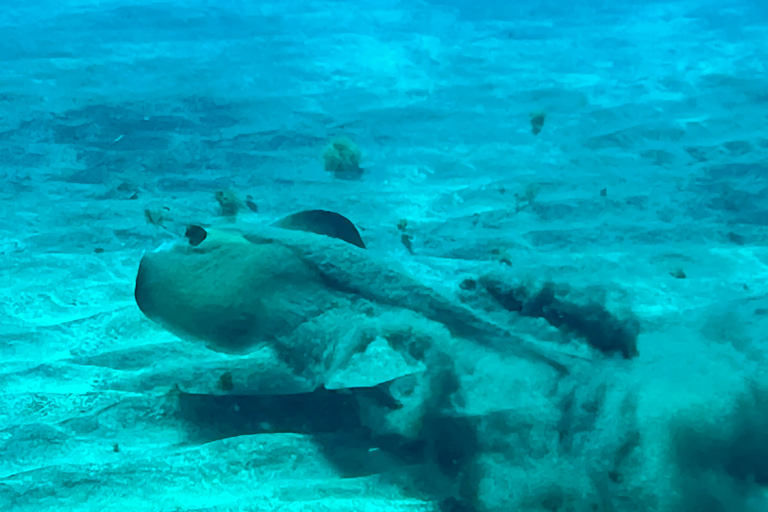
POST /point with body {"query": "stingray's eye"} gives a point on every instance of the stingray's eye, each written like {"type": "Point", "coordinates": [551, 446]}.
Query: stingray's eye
{"type": "Point", "coordinates": [195, 235]}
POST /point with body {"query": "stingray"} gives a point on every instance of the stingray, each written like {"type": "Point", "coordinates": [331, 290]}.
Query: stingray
{"type": "Point", "coordinates": [305, 288]}
{"type": "Point", "coordinates": [323, 222]}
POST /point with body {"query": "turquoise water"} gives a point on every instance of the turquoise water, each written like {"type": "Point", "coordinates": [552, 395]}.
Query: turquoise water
{"type": "Point", "coordinates": [549, 292]}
